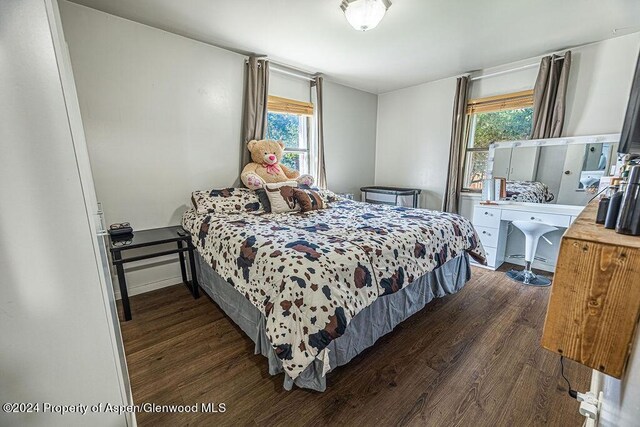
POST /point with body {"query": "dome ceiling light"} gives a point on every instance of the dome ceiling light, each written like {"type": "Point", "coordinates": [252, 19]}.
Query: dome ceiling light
{"type": "Point", "coordinates": [364, 15]}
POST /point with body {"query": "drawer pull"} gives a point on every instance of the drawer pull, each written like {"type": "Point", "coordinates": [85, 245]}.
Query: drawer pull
{"type": "Point", "coordinates": [557, 220]}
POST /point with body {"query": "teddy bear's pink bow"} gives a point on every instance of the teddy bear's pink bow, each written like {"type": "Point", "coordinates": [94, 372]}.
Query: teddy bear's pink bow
{"type": "Point", "coordinates": [273, 169]}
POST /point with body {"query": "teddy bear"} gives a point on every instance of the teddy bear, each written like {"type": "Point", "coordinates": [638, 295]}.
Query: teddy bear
{"type": "Point", "coordinates": [266, 167]}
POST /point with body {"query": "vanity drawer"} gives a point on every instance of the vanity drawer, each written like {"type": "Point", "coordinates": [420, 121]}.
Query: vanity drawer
{"type": "Point", "coordinates": [486, 217]}
{"type": "Point", "coordinates": [491, 256]}
{"type": "Point", "coordinates": [488, 236]}
{"type": "Point", "coordinates": [551, 219]}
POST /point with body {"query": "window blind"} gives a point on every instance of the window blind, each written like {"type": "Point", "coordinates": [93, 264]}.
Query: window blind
{"type": "Point", "coordinates": [276, 104]}
{"type": "Point", "coordinates": [510, 101]}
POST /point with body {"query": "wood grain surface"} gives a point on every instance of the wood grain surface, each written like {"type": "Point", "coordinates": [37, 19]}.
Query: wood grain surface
{"type": "Point", "coordinates": [469, 359]}
{"type": "Point", "coordinates": [595, 299]}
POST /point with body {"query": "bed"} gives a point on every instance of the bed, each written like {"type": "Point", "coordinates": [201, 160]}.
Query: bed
{"type": "Point", "coordinates": [528, 191]}
{"type": "Point", "coordinates": [312, 290]}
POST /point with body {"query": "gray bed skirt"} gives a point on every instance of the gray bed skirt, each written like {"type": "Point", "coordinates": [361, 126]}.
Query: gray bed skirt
{"type": "Point", "coordinates": [364, 329]}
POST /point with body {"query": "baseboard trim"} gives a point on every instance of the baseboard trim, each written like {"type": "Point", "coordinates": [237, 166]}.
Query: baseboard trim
{"type": "Point", "coordinates": [486, 267]}
{"type": "Point", "coordinates": [146, 287]}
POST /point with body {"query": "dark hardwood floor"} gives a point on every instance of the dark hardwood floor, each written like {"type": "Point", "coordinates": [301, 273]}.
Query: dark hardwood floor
{"type": "Point", "coordinates": [470, 359]}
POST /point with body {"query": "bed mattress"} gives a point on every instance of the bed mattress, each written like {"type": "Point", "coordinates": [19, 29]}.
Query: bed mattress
{"type": "Point", "coordinates": [310, 274]}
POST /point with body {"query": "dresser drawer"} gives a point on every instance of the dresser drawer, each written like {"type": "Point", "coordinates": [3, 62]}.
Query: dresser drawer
{"type": "Point", "coordinates": [488, 236]}
{"type": "Point", "coordinates": [486, 217]}
{"type": "Point", "coordinates": [551, 219]}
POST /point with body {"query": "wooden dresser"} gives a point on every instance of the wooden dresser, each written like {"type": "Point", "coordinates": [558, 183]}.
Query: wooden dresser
{"type": "Point", "coordinates": [595, 297]}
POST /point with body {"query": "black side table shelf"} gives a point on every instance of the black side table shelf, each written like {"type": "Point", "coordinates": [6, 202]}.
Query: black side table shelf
{"type": "Point", "coordinates": [392, 191]}
{"type": "Point", "coordinates": [154, 237]}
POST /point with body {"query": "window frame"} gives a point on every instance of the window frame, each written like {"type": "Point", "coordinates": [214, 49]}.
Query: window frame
{"type": "Point", "coordinates": [304, 112]}
{"type": "Point", "coordinates": [505, 102]}
{"type": "Point", "coordinates": [470, 122]}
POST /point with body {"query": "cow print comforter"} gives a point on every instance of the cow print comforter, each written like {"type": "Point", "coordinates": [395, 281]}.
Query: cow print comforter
{"type": "Point", "coordinates": [310, 274]}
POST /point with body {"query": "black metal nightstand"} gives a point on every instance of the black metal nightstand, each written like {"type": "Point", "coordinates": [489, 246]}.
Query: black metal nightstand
{"type": "Point", "coordinates": [391, 191]}
{"type": "Point", "coordinates": [153, 237]}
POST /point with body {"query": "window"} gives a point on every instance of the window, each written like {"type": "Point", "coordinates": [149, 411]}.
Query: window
{"type": "Point", "coordinates": [494, 119]}
{"type": "Point", "coordinates": [289, 121]}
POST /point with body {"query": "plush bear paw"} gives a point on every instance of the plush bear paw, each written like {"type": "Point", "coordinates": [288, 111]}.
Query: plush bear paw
{"type": "Point", "coordinates": [305, 180]}
{"type": "Point", "coordinates": [253, 181]}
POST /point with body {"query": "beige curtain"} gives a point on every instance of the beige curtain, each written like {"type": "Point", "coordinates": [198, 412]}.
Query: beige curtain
{"type": "Point", "coordinates": [321, 178]}
{"type": "Point", "coordinates": [256, 93]}
{"type": "Point", "coordinates": [454, 177]}
{"type": "Point", "coordinates": [549, 96]}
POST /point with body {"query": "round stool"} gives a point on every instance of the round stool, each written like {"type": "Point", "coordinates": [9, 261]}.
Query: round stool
{"type": "Point", "coordinates": [532, 232]}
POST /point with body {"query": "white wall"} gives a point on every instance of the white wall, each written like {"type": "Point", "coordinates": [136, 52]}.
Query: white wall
{"type": "Point", "coordinates": [163, 114]}
{"type": "Point", "coordinates": [350, 137]}
{"type": "Point", "coordinates": [290, 87]}
{"type": "Point", "coordinates": [54, 331]}
{"type": "Point", "coordinates": [621, 400]}
{"type": "Point", "coordinates": [514, 81]}
{"type": "Point", "coordinates": [162, 117]}
{"type": "Point", "coordinates": [414, 123]}
{"type": "Point", "coordinates": [412, 148]}
{"type": "Point", "coordinates": [599, 86]}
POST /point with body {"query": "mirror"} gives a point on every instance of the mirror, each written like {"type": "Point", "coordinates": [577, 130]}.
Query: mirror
{"type": "Point", "coordinates": [564, 171]}
{"type": "Point", "coordinates": [597, 161]}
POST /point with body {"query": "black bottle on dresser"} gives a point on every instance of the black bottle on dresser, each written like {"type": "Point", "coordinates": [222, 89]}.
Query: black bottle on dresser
{"type": "Point", "coordinates": [603, 208]}
{"type": "Point", "coordinates": [629, 216]}
{"type": "Point", "coordinates": [614, 208]}
{"type": "Point", "coordinates": [616, 191]}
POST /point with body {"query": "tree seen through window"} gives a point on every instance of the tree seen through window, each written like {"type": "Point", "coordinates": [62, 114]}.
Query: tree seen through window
{"type": "Point", "coordinates": [288, 128]}
{"type": "Point", "coordinates": [487, 128]}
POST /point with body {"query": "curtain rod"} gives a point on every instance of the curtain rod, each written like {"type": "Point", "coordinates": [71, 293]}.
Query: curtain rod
{"type": "Point", "coordinates": [511, 70]}
{"type": "Point", "coordinates": [274, 66]}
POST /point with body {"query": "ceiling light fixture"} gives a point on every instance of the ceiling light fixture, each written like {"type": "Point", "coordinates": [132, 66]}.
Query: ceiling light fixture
{"type": "Point", "coordinates": [364, 15]}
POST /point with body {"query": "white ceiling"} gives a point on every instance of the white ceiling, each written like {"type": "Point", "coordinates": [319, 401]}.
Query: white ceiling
{"type": "Point", "coordinates": [417, 41]}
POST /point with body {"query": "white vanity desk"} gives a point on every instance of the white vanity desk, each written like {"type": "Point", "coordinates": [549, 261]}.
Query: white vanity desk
{"type": "Point", "coordinates": [492, 224]}
{"type": "Point", "coordinates": [560, 164]}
